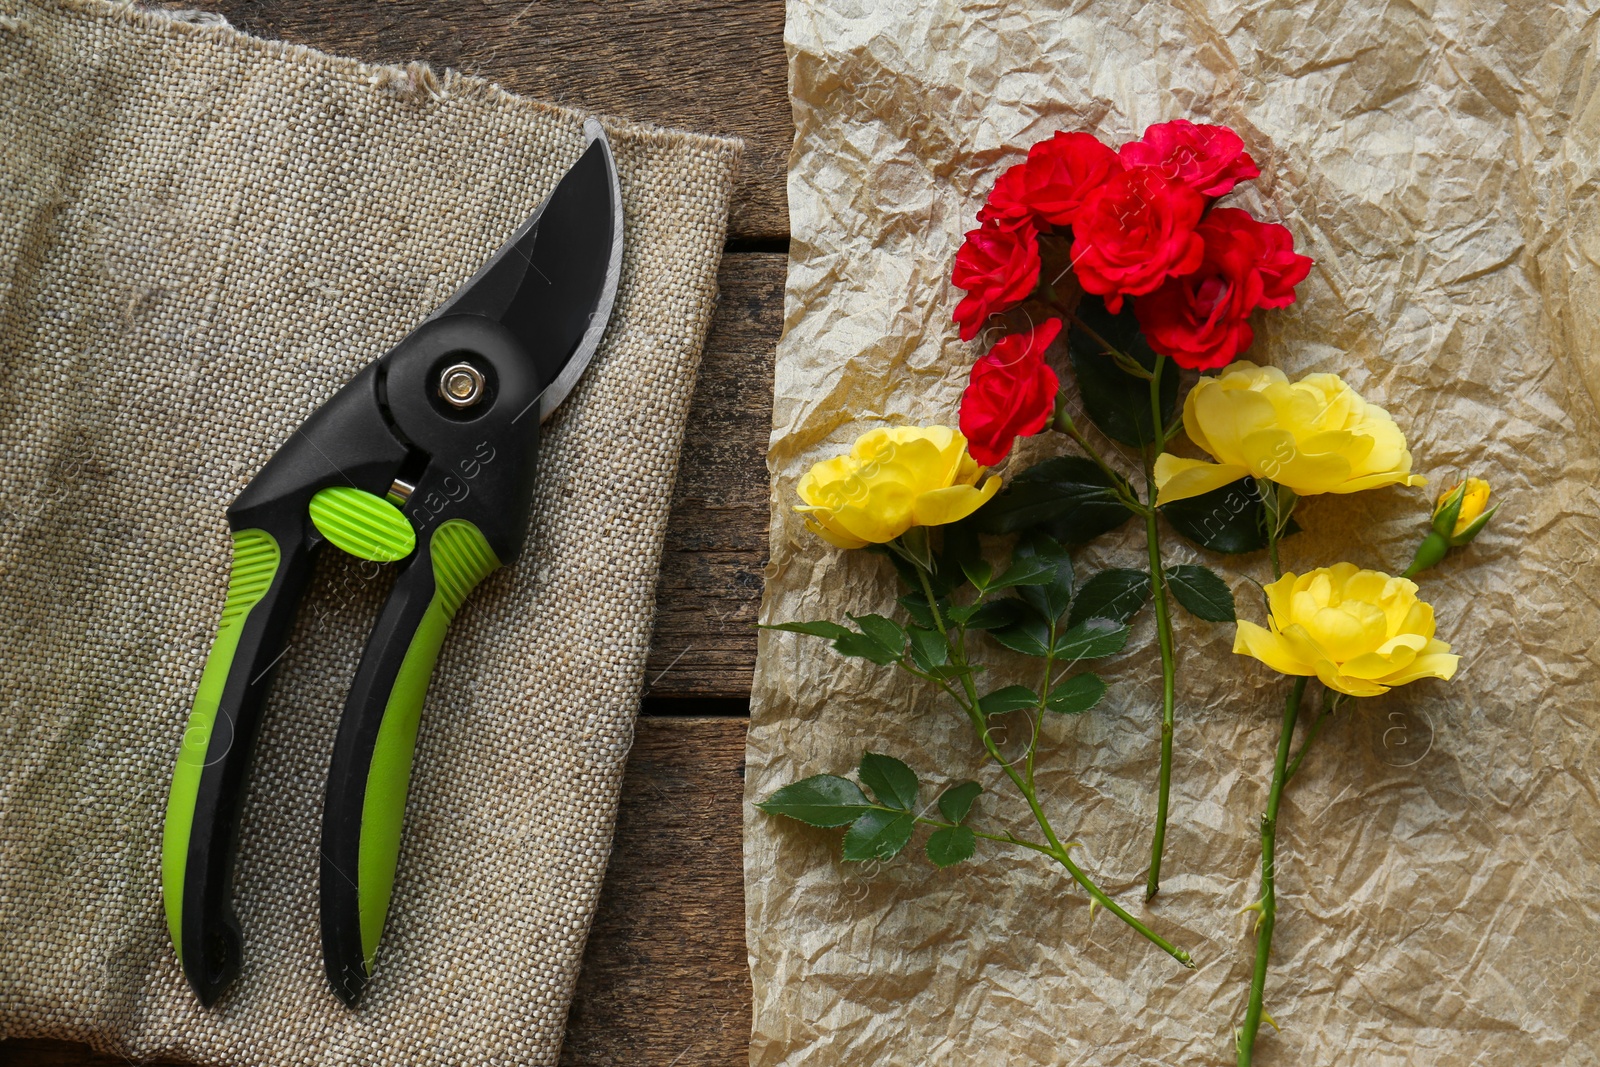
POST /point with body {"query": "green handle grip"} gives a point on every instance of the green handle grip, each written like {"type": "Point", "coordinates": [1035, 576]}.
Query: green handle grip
{"type": "Point", "coordinates": [208, 782]}
{"type": "Point", "coordinates": [371, 768]}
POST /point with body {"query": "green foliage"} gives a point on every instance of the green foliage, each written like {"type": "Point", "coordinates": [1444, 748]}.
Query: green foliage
{"type": "Point", "coordinates": [1011, 698]}
{"type": "Point", "coordinates": [878, 835]}
{"type": "Point", "coordinates": [821, 800]}
{"type": "Point", "coordinates": [1051, 595]}
{"type": "Point", "coordinates": [1200, 590]}
{"type": "Point", "coordinates": [1115, 400]}
{"type": "Point", "coordinates": [929, 650]}
{"type": "Point", "coordinates": [1069, 498]}
{"type": "Point", "coordinates": [955, 803]}
{"type": "Point", "coordinates": [1077, 694]}
{"type": "Point", "coordinates": [1091, 639]}
{"type": "Point", "coordinates": [949, 845]}
{"type": "Point", "coordinates": [891, 781]}
{"type": "Point", "coordinates": [1229, 520]}
{"type": "Point", "coordinates": [1116, 593]}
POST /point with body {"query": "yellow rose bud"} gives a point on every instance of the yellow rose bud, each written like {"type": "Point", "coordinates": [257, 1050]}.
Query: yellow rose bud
{"type": "Point", "coordinates": [893, 479]}
{"type": "Point", "coordinates": [1474, 495]}
{"type": "Point", "coordinates": [1312, 436]}
{"type": "Point", "coordinates": [1360, 632]}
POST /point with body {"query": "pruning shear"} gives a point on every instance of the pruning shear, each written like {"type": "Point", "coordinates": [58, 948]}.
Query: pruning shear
{"type": "Point", "coordinates": [425, 458]}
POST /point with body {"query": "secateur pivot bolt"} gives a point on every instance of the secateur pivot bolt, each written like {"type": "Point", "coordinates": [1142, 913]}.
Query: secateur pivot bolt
{"type": "Point", "coordinates": [461, 385]}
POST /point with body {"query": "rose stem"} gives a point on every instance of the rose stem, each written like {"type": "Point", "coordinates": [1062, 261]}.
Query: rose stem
{"type": "Point", "coordinates": [1057, 850]}
{"type": "Point", "coordinates": [1169, 666]}
{"type": "Point", "coordinates": [1267, 906]}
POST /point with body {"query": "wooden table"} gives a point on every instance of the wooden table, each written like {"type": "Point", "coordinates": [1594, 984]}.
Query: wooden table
{"type": "Point", "coordinates": [664, 977]}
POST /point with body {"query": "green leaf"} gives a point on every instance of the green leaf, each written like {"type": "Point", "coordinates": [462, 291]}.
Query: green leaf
{"type": "Point", "coordinates": [1051, 597]}
{"type": "Point", "coordinates": [1011, 698]}
{"type": "Point", "coordinates": [1117, 594]}
{"type": "Point", "coordinates": [955, 803]}
{"type": "Point", "coordinates": [849, 643]}
{"type": "Point", "coordinates": [821, 800]}
{"type": "Point", "coordinates": [928, 648]}
{"type": "Point", "coordinates": [1029, 635]}
{"type": "Point", "coordinates": [1025, 570]}
{"type": "Point", "coordinates": [951, 670]}
{"type": "Point", "coordinates": [886, 632]}
{"type": "Point", "coordinates": [960, 550]}
{"type": "Point", "coordinates": [822, 628]}
{"type": "Point", "coordinates": [892, 782]}
{"type": "Point", "coordinates": [864, 647]}
{"type": "Point", "coordinates": [878, 835]}
{"type": "Point", "coordinates": [1077, 694]}
{"type": "Point", "coordinates": [1229, 520]}
{"type": "Point", "coordinates": [916, 606]}
{"type": "Point", "coordinates": [1068, 498]}
{"type": "Point", "coordinates": [998, 614]}
{"type": "Point", "coordinates": [950, 845]}
{"type": "Point", "coordinates": [1091, 639]}
{"type": "Point", "coordinates": [978, 572]}
{"type": "Point", "coordinates": [961, 613]}
{"type": "Point", "coordinates": [1118, 402]}
{"type": "Point", "coordinates": [1202, 592]}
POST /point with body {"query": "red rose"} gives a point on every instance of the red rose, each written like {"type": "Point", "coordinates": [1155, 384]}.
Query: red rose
{"type": "Point", "coordinates": [1051, 186]}
{"type": "Point", "coordinates": [1211, 160]}
{"type": "Point", "coordinates": [1133, 232]}
{"type": "Point", "coordinates": [1011, 394]}
{"type": "Point", "coordinates": [1281, 269]}
{"type": "Point", "coordinates": [1201, 319]}
{"type": "Point", "coordinates": [998, 269]}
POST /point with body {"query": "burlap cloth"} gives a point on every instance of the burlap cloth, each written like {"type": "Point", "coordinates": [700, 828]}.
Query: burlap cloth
{"type": "Point", "coordinates": [1439, 852]}
{"type": "Point", "coordinates": [202, 236]}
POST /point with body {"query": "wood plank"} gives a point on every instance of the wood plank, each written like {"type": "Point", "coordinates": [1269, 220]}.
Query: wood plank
{"type": "Point", "coordinates": [714, 66]}
{"type": "Point", "coordinates": [710, 587]}
{"type": "Point", "coordinates": [664, 977]}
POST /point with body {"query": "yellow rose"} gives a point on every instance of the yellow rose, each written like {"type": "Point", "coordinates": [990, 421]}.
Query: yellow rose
{"type": "Point", "coordinates": [893, 479]}
{"type": "Point", "coordinates": [1313, 436]}
{"type": "Point", "coordinates": [1474, 496]}
{"type": "Point", "coordinates": [1361, 632]}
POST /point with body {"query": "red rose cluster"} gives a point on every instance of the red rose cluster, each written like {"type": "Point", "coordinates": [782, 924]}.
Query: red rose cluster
{"type": "Point", "coordinates": [1142, 226]}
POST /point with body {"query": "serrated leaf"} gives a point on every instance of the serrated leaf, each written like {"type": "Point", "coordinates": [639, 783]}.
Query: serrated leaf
{"type": "Point", "coordinates": [950, 845]}
{"type": "Point", "coordinates": [1068, 497]}
{"type": "Point", "coordinates": [1091, 639]}
{"type": "Point", "coordinates": [864, 647]}
{"type": "Point", "coordinates": [951, 670]}
{"type": "Point", "coordinates": [821, 800]}
{"type": "Point", "coordinates": [916, 606]}
{"type": "Point", "coordinates": [961, 613]}
{"type": "Point", "coordinates": [1025, 570]}
{"type": "Point", "coordinates": [1011, 698]}
{"type": "Point", "coordinates": [892, 782]}
{"type": "Point", "coordinates": [1202, 592]}
{"type": "Point", "coordinates": [1116, 401]}
{"type": "Point", "coordinates": [1030, 635]}
{"type": "Point", "coordinates": [821, 628]}
{"type": "Point", "coordinates": [1050, 598]}
{"type": "Point", "coordinates": [1077, 694]}
{"type": "Point", "coordinates": [878, 835]}
{"type": "Point", "coordinates": [978, 572]}
{"type": "Point", "coordinates": [955, 803]}
{"type": "Point", "coordinates": [1116, 593]}
{"type": "Point", "coordinates": [1229, 520]}
{"type": "Point", "coordinates": [996, 614]}
{"type": "Point", "coordinates": [885, 631]}
{"type": "Point", "coordinates": [928, 648]}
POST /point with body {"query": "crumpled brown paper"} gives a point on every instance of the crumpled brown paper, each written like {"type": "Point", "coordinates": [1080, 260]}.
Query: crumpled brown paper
{"type": "Point", "coordinates": [1440, 850]}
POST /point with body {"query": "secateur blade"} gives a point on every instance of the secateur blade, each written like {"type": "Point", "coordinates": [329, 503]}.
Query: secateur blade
{"type": "Point", "coordinates": [553, 282]}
